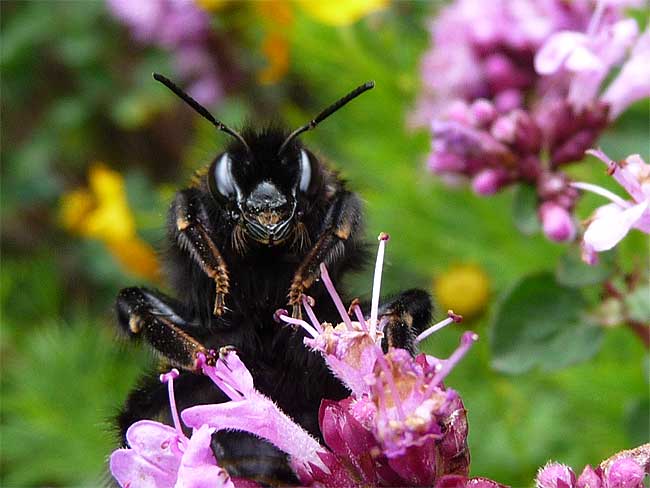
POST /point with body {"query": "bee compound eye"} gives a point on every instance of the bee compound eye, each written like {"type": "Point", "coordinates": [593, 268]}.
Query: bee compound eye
{"type": "Point", "coordinates": [305, 171]}
{"type": "Point", "coordinates": [222, 174]}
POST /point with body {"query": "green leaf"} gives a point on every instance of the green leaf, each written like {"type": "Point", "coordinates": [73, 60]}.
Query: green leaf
{"type": "Point", "coordinates": [537, 324]}
{"type": "Point", "coordinates": [637, 414]}
{"type": "Point", "coordinates": [524, 210]}
{"type": "Point", "coordinates": [572, 271]}
{"type": "Point", "coordinates": [638, 304]}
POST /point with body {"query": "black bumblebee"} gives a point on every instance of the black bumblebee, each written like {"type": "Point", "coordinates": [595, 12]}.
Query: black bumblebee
{"type": "Point", "coordinates": [245, 239]}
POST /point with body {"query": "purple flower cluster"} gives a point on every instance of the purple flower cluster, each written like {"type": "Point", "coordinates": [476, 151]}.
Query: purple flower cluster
{"type": "Point", "coordinates": [542, 108]}
{"type": "Point", "coordinates": [486, 50]}
{"type": "Point", "coordinates": [181, 27]}
{"type": "Point", "coordinates": [626, 469]}
{"type": "Point", "coordinates": [399, 427]}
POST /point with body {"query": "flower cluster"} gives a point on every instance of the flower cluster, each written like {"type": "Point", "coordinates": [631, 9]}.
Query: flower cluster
{"type": "Point", "coordinates": [626, 469]}
{"type": "Point", "coordinates": [181, 27]}
{"type": "Point", "coordinates": [525, 99]}
{"type": "Point", "coordinates": [400, 425]}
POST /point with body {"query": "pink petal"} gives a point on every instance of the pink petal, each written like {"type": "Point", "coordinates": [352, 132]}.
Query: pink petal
{"type": "Point", "coordinates": [259, 416]}
{"type": "Point", "coordinates": [629, 175]}
{"type": "Point", "coordinates": [633, 81]}
{"type": "Point", "coordinates": [606, 231]}
{"type": "Point", "coordinates": [131, 470]}
{"type": "Point", "coordinates": [236, 371]}
{"type": "Point", "coordinates": [199, 468]}
{"type": "Point", "coordinates": [552, 55]}
{"type": "Point", "coordinates": [583, 59]}
{"type": "Point", "coordinates": [198, 451]}
{"type": "Point", "coordinates": [151, 441]}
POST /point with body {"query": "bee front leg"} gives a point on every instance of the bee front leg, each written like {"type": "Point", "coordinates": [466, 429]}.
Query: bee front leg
{"type": "Point", "coordinates": [189, 230]}
{"type": "Point", "coordinates": [159, 319]}
{"type": "Point", "coordinates": [340, 232]}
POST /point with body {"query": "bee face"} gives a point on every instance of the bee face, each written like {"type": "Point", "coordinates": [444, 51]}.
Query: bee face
{"type": "Point", "coordinates": [261, 186]}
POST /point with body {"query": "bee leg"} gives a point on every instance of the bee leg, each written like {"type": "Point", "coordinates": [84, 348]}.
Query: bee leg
{"type": "Point", "coordinates": [190, 232]}
{"type": "Point", "coordinates": [159, 319]}
{"type": "Point", "coordinates": [408, 314]}
{"type": "Point", "coordinates": [340, 232]}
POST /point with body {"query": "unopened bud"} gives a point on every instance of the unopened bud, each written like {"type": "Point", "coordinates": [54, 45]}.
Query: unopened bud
{"type": "Point", "coordinates": [557, 222]}
{"type": "Point", "coordinates": [555, 475]}
{"type": "Point", "coordinates": [625, 473]}
{"type": "Point", "coordinates": [489, 181]}
{"type": "Point", "coordinates": [589, 479]}
{"type": "Point", "coordinates": [483, 111]}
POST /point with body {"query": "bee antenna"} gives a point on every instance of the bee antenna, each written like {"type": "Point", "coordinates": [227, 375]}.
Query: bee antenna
{"type": "Point", "coordinates": [200, 108]}
{"type": "Point", "coordinates": [327, 112]}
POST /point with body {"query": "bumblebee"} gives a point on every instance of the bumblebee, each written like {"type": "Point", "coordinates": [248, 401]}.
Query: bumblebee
{"type": "Point", "coordinates": [244, 240]}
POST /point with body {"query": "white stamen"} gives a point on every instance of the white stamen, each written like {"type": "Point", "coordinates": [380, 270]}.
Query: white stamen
{"type": "Point", "coordinates": [376, 284]}
{"type": "Point", "coordinates": [434, 328]}
{"type": "Point", "coordinates": [598, 190]}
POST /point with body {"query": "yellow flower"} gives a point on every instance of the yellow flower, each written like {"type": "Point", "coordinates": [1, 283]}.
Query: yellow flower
{"type": "Point", "coordinates": [463, 288]}
{"type": "Point", "coordinates": [278, 16]}
{"type": "Point", "coordinates": [102, 212]}
{"type": "Point", "coordinates": [276, 49]}
{"type": "Point", "coordinates": [341, 12]}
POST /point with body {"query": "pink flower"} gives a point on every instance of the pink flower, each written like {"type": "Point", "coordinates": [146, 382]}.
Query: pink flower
{"type": "Point", "coordinates": [626, 469]}
{"type": "Point", "coordinates": [555, 475]}
{"type": "Point", "coordinates": [590, 56]}
{"type": "Point", "coordinates": [250, 411]}
{"type": "Point", "coordinates": [611, 222]}
{"type": "Point", "coordinates": [414, 429]}
{"type": "Point", "coordinates": [160, 456]}
{"type": "Point", "coordinates": [486, 49]}
{"type": "Point", "coordinates": [399, 427]}
{"type": "Point", "coordinates": [179, 26]}
{"type": "Point", "coordinates": [631, 84]}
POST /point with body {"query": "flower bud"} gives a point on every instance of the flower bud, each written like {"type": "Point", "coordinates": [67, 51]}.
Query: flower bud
{"type": "Point", "coordinates": [489, 181]}
{"type": "Point", "coordinates": [504, 129]}
{"type": "Point", "coordinates": [625, 473]}
{"type": "Point", "coordinates": [557, 222]}
{"type": "Point", "coordinates": [555, 475]}
{"type": "Point", "coordinates": [483, 111]}
{"type": "Point", "coordinates": [574, 148]}
{"type": "Point", "coordinates": [508, 100]}
{"type": "Point", "coordinates": [589, 479]}
{"type": "Point", "coordinates": [445, 162]}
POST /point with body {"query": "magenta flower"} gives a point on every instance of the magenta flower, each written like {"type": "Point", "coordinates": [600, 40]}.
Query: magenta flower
{"type": "Point", "coordinates": [522, 100]}
{"type": "Point", "coordinates": [627, 469]}
{"type": "Point", "coordinates": [486, 50]}
{"type": "Point", "coordinates": [589, 57]}
{"type": "Point", "coordinates": [610, 223]}
{"type": "Point", "coordinates": [250, 411]}
{"type": "Point", "coordinates": [160, 456]}
{"type": "Point", "coordinates": [400, 426]}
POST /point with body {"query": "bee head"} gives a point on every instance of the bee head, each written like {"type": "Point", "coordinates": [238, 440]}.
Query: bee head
{"type": "Point", "coordinates": [263, 186]}
{"type": "Point", "coordinates": [262, 175]}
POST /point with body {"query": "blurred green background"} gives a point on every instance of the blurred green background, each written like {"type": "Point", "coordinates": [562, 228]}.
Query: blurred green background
{"type": "Point", "coordinates": [77, 91]}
